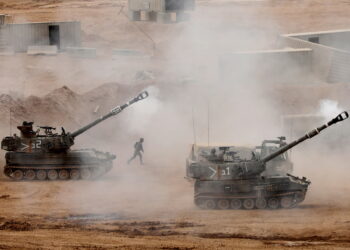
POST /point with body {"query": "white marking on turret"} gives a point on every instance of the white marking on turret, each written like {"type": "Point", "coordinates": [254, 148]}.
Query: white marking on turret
{"type": "Point", "coordinates": [213, 174]}
{"type": "Point", "coordinates": [24, 146]}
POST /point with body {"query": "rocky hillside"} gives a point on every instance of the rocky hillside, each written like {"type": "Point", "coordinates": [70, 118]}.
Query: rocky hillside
{"type": "Point", "coordinates": [63, 106]}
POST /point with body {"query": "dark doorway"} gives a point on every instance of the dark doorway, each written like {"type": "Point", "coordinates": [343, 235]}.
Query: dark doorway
{"type": "Point", "coordinates": [54, 35]}
{"type": "Point", "coordinates": [315, 39]}
{"type": "Point", "coordinates": [179, 5]}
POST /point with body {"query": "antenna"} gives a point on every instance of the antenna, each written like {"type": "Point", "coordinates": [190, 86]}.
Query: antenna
{"type": "Point", "coordinates": [291, 136]}
{"type": "Point", "coordinates": [208, 123]}
{"type": "Point", "coordinates": [194, 127]}
{"type": "Point", "coordinates": [10, 121]}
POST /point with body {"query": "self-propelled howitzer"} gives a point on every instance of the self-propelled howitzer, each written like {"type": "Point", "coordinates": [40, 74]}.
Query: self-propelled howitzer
{"type": "Point", "coordinates": [43, 154]}
{"type": "Point", "coordinates": [226, 182]}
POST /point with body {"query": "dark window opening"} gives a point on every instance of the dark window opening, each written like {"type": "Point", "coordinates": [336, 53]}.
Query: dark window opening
{"type": "Point", "coordinates": [179, 5]}
{"type": "Point", "coordinates": [315, 39]}
{"type": "Point", "coordinates": [54, 35]}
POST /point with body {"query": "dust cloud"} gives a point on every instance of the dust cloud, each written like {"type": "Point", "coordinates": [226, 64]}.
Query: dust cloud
{"type": "Point", "coordinates": [192, 99]}
{"type": "Point", "coordinates": [188, 89]}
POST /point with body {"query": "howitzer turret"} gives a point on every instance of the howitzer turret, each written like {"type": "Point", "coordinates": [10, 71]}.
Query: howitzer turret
{"type": "Point", "coordinates": [36, 155]}
{"type": "Point", "coordinates": [219, 175]}
{"type": "Point", "coordinates": [33, 141]}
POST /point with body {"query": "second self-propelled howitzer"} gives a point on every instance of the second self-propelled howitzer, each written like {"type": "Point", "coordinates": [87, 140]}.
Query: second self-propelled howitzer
{"type": "Point", "coordinates": [224, 180]}
{"type": "Point", "coordinates": [44, 154]}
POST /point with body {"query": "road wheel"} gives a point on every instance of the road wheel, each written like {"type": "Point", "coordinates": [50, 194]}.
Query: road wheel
{"type": "Point", "coordinates": [74, 174]}
{"type": "Point", "coordinates": [248, 204]}
{"type": "Point", "coordinates": [209, 204]}
{"type": "Point", "coordinates": [236, 204]}
{"type": "Point", "coordinates": [261, 203]}
{"type": "Point", "coordinates": [17, 175]}
{"type": "Point", "coordinates": [30, 175]}
{"type": "Point", "coordinates": [85, 174]}
{"type": "Point", "coordinates": [52, 175]}
{"type": "Point", "coordinates": [273, 203]}
{"type": "Point", "coordinates": [41, 175]}
{"type": "Point", "coordinates": [223, 204]}
{"type": "Point", "coordinates": [287, 202]}
{"type": "Point", "coordinates": [63, 174]}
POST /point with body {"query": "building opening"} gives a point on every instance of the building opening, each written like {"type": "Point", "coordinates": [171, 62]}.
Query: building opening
{"type": "Point", "coordinates": [314, 39]}
{"type": "Point", "coordinates": [179, 5]}
{"type": "Point", "coordinates": [54, 35]}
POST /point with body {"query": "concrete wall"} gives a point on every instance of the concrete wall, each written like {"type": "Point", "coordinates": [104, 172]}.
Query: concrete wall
{"type": "Point", "coordinates": [328, 63]}
{"type": "Point", "coordinates": [70, 34]}
{"type": "Point", "coordinates": [2, 19]}
{"type": "Point", "coordinates": [21, 36]}
{"type": "Point", "coordinates": [340, 67]}
{"type": "Point", "coordinates": [338, 40]}
{"type": "Point", "coordinates": [3, 40]}
{"type": "Point", "coordinates": [161, 5]}
{"type": "Point", "coordinates": [280, 66]}
{"type": "Point", "coordinates": [146, 5]}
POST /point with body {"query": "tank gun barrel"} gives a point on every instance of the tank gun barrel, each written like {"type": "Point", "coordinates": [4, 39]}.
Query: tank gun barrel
{"type": "Point", "coordinates": [342, 116]}
{"type": "Point", "coordinates": [113, 112]}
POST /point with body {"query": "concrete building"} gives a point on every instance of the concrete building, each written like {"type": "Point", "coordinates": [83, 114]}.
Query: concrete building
{"type": "Point", "coordinates": [2, 19]}
{"type": "Point", "coordinates": [330, 52]}
{"type": "Point", "coordinates": [272, 66]}
{"type": "Point", "coordinates": [322, 56]}
{"type": "Point", "coordinates": [162, 11]}
{"type": "Point", "coordinates": [23, 35]}
{"type": "Point", "coordinates": [4, 48]}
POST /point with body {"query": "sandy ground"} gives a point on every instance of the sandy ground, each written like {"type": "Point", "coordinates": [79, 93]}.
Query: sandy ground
{"type": "Point", "coordinates": [109, 213]}
{"type": "Point", "coordinates": [137, 208]}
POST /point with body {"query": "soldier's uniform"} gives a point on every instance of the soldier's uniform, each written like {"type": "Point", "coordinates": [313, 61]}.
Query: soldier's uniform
{"type": "Point", "coordinates": [138, 150]}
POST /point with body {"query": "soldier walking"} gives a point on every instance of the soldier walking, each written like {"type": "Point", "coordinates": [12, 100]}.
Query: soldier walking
{"type": "Point", "coordinates": [138, 150]}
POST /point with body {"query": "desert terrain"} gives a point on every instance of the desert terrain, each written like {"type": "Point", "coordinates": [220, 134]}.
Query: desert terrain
{"type": "Point", "coordinates": [151, 206]}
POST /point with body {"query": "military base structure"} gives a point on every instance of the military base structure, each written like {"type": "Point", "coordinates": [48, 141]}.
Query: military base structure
{"type": "Point", "coordinates": [21, 36]}
{"type": "Point", "coordinates": [279, 66]}
{"type": "Point", "coordinates": [5, 19]}
{"type": "Point", "coordinates": [322, 56]}
{"type": "Point", "coordinates": [330, 52]}
{"type": "Point", "coordinates": [2, 19]}
{"type": "Point", "coordinates": [161, 11]}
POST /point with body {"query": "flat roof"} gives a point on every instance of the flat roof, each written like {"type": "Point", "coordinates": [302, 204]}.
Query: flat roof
{"type": "Point", "coordinates": [318, 32]}
{"type": "Point", "coordinates": [44, 22]}
{"type": "Point", "coordinates": [303, 116]}
{"type": "Point", "coordinates": [316, 44]}
{"type": "Point", "coordinates": [222, 145]}
{"type": "Point", "coordinates": [272, 51]}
